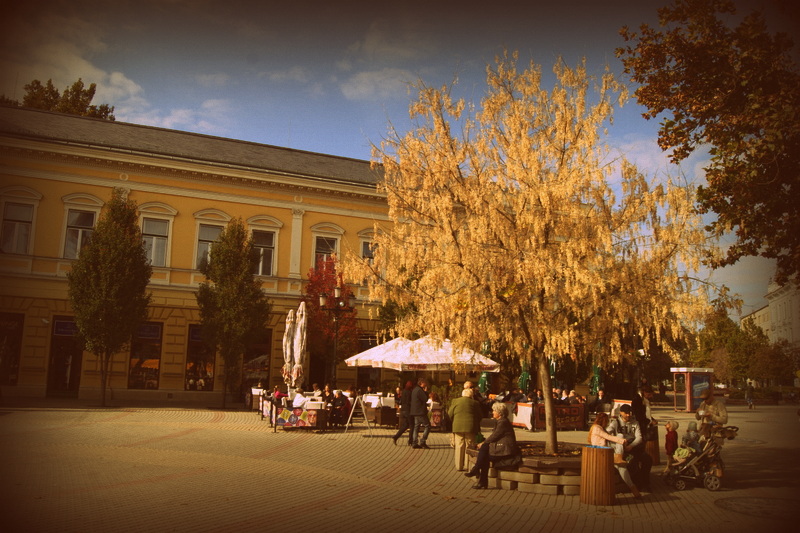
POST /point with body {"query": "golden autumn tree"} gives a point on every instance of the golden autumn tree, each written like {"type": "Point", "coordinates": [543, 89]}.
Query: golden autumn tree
{"type": "Point", "coordinates": [512, 224]}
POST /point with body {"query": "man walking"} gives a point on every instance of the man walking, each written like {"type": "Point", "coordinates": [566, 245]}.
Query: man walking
{"type": "Point", "coordinates": [419, 413]}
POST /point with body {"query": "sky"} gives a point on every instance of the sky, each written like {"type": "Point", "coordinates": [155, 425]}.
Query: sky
{"type": "Point", "coordinates": [326, 77]}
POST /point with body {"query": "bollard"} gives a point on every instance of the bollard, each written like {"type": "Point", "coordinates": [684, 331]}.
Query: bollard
{"type": "Point", "coordinates": [597, 475]}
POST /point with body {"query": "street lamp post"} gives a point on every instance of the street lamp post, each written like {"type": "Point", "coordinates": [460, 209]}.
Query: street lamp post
{"type": "Point", "coordinates": [339, 306]}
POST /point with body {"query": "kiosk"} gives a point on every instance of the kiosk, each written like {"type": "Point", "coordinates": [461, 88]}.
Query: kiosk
{"type": "Point", "coordinates": [694, 381]}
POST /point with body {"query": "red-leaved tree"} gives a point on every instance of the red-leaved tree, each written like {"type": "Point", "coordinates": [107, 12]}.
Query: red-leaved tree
{"type": "Point", "coordinates": [329, 331]}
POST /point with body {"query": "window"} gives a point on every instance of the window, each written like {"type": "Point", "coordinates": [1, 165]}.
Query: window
{"type": "Point", "coordinates": [80, 225]}
{"type": "Point", "coordinates": [264, 242]}
{"type": "Point", "coordinates": [17, 224]}
{"type": "Point", "coordinates": [145, 360]}
{"type": "Point", "coordinates": [206, 235]}
{"type": "Point", "coordinates": [18, 206]}
{"type": "Point", "coordinates": [324, 248]}
{"type": "Point", "coordinates": [367, 251]}
{"type": "Point", "coordinates": [199, 362]}
{"type": "Point", "coordinates": [154, 235]}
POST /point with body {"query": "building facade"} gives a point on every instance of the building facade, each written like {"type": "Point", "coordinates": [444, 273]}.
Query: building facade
{"type": "Point", "coordinates": [56, 173]}
{"type": "Point", "coordinates": [780, 318]}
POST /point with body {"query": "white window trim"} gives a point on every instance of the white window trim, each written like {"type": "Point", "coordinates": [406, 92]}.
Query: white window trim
{"type": "Point", "coordinates": [19, 194]}
{"type": "Point", "coordinates": [211, 217]}
{"type": "Point", "coordinates": [162, 211]}
{"type": "Point", "coordinates": [268, 223]}
{"type": "Point", "coordinates": [81, 202]}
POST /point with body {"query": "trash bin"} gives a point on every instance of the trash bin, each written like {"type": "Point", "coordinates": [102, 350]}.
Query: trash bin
{"type": "Point", "coordinates": [597, 475]}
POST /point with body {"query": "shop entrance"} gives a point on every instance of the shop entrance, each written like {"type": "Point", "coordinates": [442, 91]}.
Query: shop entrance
{"type": "Point", "coordinates": [66, 356]}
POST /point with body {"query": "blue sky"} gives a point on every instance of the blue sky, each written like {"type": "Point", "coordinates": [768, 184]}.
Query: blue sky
{"type": "Point", "coordinates": [325, 77]}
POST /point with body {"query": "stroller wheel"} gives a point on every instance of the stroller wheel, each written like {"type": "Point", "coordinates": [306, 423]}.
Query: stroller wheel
{"type": "Point", "coordinates": [712, 482]}
{"type": "Point", "coordinates": [680, 484]}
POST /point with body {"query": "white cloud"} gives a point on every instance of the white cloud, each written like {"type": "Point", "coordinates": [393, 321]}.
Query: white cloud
{"type": "Point", "coordinates": [377, 84]}
{"type": "Point", "coordinates": [211, 117]}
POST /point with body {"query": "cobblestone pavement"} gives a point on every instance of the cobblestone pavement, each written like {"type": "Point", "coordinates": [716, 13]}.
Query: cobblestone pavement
{"type": "Point", "coordinates": [74, 467]}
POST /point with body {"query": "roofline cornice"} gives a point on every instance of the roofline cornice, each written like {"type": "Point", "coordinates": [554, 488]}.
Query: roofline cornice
{"type": "Point", "coordinates": [76, 154]}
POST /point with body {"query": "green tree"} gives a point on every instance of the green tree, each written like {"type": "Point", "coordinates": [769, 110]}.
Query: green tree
{"type": "Point", "coordinates": [108, 283]}
{"type": "Point", "coordinates": [75, 100]}
{"type": "Point", "coordinates": [736, 90]}
{"type": "Point", "coordinates": [233, 306]}
{"type": "Point", "coordinates": [510, 226]}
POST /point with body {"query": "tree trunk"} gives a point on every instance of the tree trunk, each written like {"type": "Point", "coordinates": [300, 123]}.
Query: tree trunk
{"type": "Point", "coordinates": [550, 441]}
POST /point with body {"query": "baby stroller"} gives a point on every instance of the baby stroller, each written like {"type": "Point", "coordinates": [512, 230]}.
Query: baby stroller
{"type": "Point", "coordinates": [706, 466]}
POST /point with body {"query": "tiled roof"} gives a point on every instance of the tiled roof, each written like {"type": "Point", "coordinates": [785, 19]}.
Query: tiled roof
{"type": "Point", "coordinates": [61, 128]}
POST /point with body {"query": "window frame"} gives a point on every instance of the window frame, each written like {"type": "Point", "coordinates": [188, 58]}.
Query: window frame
{"type": "Point", "coordinates": [266, 224]}
{"type": "Point", "coordinates": [160, 212]}
{"type": "Point", "coordinates": [325, 230]}
{"type": "Point", "coordinates": [79, 202]}
{"type": "Point", "coordinates": [207, 217]}
{"type": "Point", "coordinates": [22, 196]}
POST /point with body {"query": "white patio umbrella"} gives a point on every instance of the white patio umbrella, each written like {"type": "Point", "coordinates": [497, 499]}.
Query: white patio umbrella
{"type": "Point", "coordinates": [425, 353]}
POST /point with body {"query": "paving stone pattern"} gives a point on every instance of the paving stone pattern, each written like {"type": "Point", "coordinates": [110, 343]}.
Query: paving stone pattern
{"type": "Point", "coordinates": [74, 467]}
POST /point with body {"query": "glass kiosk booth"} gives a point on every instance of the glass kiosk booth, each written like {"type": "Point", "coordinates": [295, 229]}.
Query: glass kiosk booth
{"type": "Point", "coordinates": [687, 386]}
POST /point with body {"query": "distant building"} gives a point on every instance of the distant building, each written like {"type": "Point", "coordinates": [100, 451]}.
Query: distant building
{"type": "Point", "coordinates": [780, 318]}
{"type": "Point", "coordinates": [57, 171]}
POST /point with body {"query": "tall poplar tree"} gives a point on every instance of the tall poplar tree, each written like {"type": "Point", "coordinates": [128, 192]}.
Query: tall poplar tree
{"type": "Point", "coordinates": [108, 283]}
{"type": "Point", "coordinates": [513, 225]}
{"type": "Point", "coordinates": [233, 306]}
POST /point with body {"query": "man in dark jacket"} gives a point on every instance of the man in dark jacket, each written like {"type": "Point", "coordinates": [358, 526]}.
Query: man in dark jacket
{"type": "Point", "coordinates": [419, 413]}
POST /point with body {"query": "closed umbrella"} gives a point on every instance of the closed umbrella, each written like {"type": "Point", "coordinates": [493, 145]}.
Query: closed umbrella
{"type": "Point", "coordinates": [288, 348]}
{"type": "Point", "coordinates": [300, 349]}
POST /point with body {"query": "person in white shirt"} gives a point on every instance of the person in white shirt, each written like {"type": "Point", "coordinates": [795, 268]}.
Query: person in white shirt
{"type": "Point", "coordinates": [299, 399]}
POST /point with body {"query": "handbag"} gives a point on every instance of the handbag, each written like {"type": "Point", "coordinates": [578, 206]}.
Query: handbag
{"type": "Point", "coordinates": [499, 449]}
{"type": "Point", "coordinates": [508, 463]}
{"type": "Point", "coordinates": [478, 438]}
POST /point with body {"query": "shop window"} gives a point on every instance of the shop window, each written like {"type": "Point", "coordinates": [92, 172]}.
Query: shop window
{"type": "Point", "coordinates": [199, 362]}
{"type": "Point", "coordinates": [145, 361]}
{"type": "Point", "coordinates": [17, 226]}
{"type": "Point", "coordinates": [10, 347]}
{"type": "Point", "coordinates": [80, 225]}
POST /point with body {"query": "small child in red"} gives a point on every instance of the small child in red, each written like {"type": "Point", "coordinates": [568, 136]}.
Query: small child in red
{"type": "Point", "coordinates": [670, 442]}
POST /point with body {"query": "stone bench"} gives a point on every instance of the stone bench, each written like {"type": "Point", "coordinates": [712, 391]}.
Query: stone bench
{"type": "Point", "coordinates": [539, 474]}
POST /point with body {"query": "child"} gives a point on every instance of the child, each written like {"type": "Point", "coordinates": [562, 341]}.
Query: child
{"type": "Point", "coordinates": [691, 439]}
{"type": "Point", "coordinates": [670, 442]}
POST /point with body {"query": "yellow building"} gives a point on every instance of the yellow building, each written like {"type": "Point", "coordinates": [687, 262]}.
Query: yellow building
{"type": "Point", "coordinates": [56, 173]}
